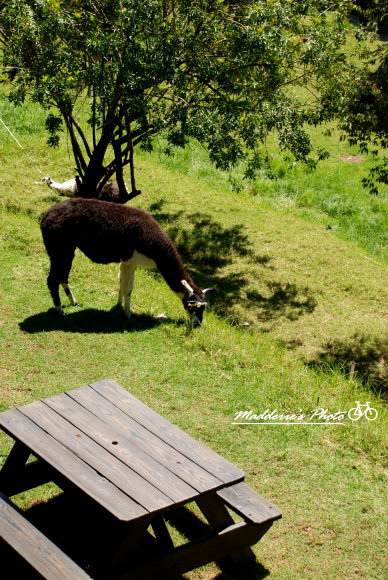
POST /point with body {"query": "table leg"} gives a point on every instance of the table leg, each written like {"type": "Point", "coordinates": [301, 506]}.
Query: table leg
{"type": "Point", "coordinates": [17, 475]}
{"type": "Point", "coordinates": [219, 518]}
{"type": "Point", "coordinates": [128, 545]}
{"type": "Point", "coordinates": [17, 457]}
{"type": "Point", "coordinates": [161, 533]}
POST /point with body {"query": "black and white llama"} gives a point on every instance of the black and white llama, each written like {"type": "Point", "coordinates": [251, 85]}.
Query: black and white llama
{"type": "Point", "coordinates": [106, 233]}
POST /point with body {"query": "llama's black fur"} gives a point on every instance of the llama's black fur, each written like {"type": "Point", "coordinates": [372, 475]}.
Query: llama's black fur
{"type": "Point", "coordinates": [106, 233]}
{"type": "Point", "coordinates": [109, 192]}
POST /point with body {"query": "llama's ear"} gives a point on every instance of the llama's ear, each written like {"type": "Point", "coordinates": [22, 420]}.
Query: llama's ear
{"type": "Point", "coordinates": [209, 290]}
{"type": "Point", "coordinates": [187, 287]}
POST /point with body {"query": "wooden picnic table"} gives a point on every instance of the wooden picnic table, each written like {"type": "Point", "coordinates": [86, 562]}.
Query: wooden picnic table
{"type": "Point", "coordinates": [138, 466]}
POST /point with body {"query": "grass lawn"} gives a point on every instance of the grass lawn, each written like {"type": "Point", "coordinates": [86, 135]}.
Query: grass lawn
{"type": "Point", "coordinates": [297, 324]}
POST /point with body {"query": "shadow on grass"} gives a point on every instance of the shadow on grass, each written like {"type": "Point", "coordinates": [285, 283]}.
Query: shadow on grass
{"type": "Point", "coordinates": [361, 356]}
{"type": "Point", "coordinates": [203, 243]}
{"type": "Point", "coordinates": [192, 528]}
{"type": "Point", "coordinates": [206, 247]}
{"type": "Point", "coordinates": [70, 526]}
{"type": "Point", "coordinates": [90, 536]}
{"type": "Point", "coordinates": [92, 321]}
{"type": "Point", "coordinates": [287, 301]}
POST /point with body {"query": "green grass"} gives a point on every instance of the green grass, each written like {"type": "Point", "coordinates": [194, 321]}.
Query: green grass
{"type": "Point", "coordinates": [332, 195]}
{"type": "Point", "coordinates": [296, 304]}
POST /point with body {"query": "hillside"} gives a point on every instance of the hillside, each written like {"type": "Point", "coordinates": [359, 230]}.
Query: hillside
{"type": "Point", "coordinates": [296, 305]}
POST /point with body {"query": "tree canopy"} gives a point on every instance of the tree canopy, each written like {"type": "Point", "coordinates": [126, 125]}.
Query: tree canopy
{"type": "Point", "coordinates": [363, 112]}
{"type": "Point", "coordinates": [228, 73]}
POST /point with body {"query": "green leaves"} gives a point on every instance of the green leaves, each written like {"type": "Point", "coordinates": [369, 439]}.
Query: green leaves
{"type": "Point", "coordinates": [228, 74]}
{"type": "Point", "coordinates": [54, 127]}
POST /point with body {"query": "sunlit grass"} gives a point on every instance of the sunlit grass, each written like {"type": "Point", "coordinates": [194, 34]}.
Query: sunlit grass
{"type": "Point", "coordinates": [294, 302]}
{"type": "Point", "coordinates": [332, 194]}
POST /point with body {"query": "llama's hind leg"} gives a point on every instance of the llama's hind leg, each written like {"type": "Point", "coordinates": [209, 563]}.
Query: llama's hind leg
{"type": "Point", "coordinates": [53, 281]}
{"type": "Point", "coordinates": [59, 275]}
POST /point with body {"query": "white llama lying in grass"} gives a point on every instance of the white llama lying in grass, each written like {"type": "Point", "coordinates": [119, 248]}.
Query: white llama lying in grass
{"type": "Point", "coordinates": [109, 192]}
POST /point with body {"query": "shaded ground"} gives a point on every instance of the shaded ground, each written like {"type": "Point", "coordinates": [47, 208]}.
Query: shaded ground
{"type": "Point", "coordinates": [89, 535]}
{"type": "Point", "coordinates": [362, 356]}
{"type": "Point", "coordinates": [269, 291]}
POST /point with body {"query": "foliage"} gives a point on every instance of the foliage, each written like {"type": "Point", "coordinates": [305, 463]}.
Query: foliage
{"type": "Point", "coordinates": [227, 74]}
{"type": "Point", "coordinates": [364, 112]}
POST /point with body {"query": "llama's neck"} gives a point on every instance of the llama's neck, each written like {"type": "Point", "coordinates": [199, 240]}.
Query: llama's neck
{"type": "Point", "coordinates": [173, 271]}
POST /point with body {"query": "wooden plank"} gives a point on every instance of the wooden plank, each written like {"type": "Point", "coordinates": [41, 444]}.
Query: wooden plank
{"type": "Point", "coordinates": [34, 547]}
{"type": "Point", "coordinates": [108, 466]}
{"type": "Point", "coordinates": [170, 457]}
{"type": "Point", "coordinates": [166, 431]}
{"type": "Point", "coordinates": [249, 504]}
{"type": "Point", "coordinates": [123, 446]}
{"type": "Point", "coordinates": [70, 466]}
{"type": "Point", "coordinates": [189, 556]}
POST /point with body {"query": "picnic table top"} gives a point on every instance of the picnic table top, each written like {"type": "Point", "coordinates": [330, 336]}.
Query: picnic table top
{"type": "Point", "coordinates": [118, 451]}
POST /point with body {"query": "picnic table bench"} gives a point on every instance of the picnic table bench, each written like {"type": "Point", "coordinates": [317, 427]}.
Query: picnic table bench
{"type": "Point", "coordinates": [49, 560]}
{"type": "Point", "coordinates": [129, 460]}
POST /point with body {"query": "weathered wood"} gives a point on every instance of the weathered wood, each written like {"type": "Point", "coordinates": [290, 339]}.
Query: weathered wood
{"type": "Point", "coordinates": [130, 541]}
{"type": "Point", "coordinates": [70, 466]}
{"type": "Point", "coordinates": [142, 438]}
{"type": "Point", "coordinates": [171, 434]}
{"type": "Point", "coordinates": [106, 464]}
{"type": "Point", "coordinates": [126, 444]}
{"type": "Point", "coordinates": [219, 518]}
{"type": "Point", "coordinates": [189, 556]}
{"type": "Point", "coordinates": [214, 511]}
{"type": "Point", "coordinates": [35, 547]}
{"type": "Point", "coordinates": [135, 464]}
{"type": "Point", "coordinates": [249, 504]}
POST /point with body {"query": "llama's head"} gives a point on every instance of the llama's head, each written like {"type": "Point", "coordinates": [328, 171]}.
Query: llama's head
{"type": "Point", "coordinates": [47, 180]}
{"type": "Point", "coordinates": [194, 302]}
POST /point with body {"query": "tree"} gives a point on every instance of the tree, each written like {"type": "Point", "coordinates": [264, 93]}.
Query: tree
{"type": "Point", "coordinates": [364, 110]}
{"type": "Point", "coordinates": [227, 73]}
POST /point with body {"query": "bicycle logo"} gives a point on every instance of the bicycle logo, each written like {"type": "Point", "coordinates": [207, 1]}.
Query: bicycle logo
{"type": "Point", "coordinates": [357, 412]}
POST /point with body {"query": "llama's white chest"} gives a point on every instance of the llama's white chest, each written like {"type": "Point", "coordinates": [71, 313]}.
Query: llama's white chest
{"type": "Point", "coordinates": [138, 260]}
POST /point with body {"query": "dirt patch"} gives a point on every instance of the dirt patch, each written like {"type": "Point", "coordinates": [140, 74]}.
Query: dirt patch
{"type": "Point", "coordinates": [352, 158]}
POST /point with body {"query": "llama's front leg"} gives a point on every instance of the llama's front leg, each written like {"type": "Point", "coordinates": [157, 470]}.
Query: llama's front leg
{"type": "Point", "coordinates": [69, 294]}
{"type": "Point", "coordinates": [127, 277]}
